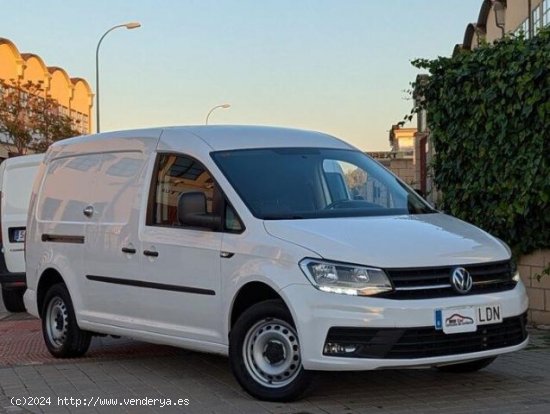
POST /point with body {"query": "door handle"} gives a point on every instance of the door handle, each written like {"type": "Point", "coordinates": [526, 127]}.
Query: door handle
{"type": "Point", "coordinates": [129, 250]}
{"type": "Point", "coordinates": [88, 211]}
{"type": "Point", "coordinates": [151, 253]}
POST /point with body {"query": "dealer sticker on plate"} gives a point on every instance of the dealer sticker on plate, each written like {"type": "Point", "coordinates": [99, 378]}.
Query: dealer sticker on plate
{"type": "Point", "coordinates": [466, 319]}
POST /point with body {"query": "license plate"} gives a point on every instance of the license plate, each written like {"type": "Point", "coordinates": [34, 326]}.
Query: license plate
{"type": "Point", "coordinates": [19, 236]}
{"type": "Point", "coordinates": [466, 319]}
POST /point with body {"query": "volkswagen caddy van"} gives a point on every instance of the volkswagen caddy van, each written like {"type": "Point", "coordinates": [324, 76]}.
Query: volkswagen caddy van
{"type": "Point", "coordinates": [16, 180]}
{"type": "Point", "coordinates": [289, 251]}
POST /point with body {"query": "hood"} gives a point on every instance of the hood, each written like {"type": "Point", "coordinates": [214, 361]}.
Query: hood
{"type": "Point", "coordinates": [422, 240]}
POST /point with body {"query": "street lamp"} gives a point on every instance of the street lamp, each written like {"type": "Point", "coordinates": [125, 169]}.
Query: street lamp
{"type": "Point", "coordinates": [224, 106]}
{"type": "Point", "coordinates": [129, 26]}
{"type": "Point", "coordinates": [500, 15]}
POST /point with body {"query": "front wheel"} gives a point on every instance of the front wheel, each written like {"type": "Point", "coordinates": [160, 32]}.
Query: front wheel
{"type": "Point", "coordinates": [471, 366]}
{"type": "Point", "coordinates": [63, 337]}
{"type": "Point", "coordinates": [13, 299]}
{"type": "Point", "coordinates": [264, 353]}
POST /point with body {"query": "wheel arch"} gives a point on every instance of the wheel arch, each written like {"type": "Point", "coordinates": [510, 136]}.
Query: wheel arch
{"type": "Point", "coordinates": [249, 294]}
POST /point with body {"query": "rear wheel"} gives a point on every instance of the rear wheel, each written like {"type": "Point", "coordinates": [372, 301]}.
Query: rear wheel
{"type": "Point", "coordinates": [13, 299]}
{"type": "Point", "coordinates": [471, 366]}
{"type": "Point", "coordinates": [264, 353]}
{"type": "Point", "coordinates": [63, 337]}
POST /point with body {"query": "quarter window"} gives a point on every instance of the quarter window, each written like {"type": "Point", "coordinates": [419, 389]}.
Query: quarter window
{"type": "Point", "coordinates": [232, 223]}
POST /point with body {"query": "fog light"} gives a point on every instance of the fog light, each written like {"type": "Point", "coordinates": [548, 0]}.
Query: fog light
{"type": "Point", "coordinates": [335, 348]}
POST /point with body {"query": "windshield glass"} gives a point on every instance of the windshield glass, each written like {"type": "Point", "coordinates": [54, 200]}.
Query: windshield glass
{"type": "Point", "coordinates": [303, 183]}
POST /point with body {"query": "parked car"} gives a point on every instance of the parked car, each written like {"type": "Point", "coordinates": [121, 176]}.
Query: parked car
{"type": "Point", "coordinates": [16, 179]}
{"type": "Point", "coordinates": [289, 251]}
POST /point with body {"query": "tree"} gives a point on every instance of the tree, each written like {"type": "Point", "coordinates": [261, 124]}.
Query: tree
{"type": "Point", "coordinates": [30, 119]}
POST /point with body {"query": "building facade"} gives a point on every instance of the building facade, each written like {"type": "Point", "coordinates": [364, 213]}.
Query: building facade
{"type": "Point", "coordinates": [73, 95]}
{"type": "Point", "coordinates": [401, 160]}
{"type": "Point", "coordinates": [500, 17]}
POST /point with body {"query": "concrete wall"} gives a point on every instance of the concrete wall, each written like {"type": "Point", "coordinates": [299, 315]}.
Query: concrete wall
{"type": "Point", "coordinates": [517, 11]}
{"type": "Point", "coordinates": [539, 291]}
{"type": "Point", "coordinates": [404, 168]}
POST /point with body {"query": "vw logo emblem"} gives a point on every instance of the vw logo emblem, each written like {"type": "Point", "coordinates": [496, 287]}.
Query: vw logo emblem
{"type": "Point", "coordinates": [461, 280]}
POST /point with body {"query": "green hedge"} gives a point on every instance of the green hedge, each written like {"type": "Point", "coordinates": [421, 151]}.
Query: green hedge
{"type": "Point", "coordinates": [489, 117]}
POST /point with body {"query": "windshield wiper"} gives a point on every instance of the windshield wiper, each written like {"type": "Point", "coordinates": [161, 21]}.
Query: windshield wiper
{"type": "Point", "coordinates": [283, 217]}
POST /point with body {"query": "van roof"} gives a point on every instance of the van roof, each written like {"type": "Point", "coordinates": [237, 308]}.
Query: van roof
{"type": "Point", "coordinates": [17, 162]}
{"type": "Point", "coordinates": [225, 137]}
{"type": "Point", "coordinates": [33, 159]}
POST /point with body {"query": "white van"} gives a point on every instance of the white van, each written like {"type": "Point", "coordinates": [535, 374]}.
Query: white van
{"type": "Point", "coordinates": [16, 179]}
{"type": "Point", "coordinates": [290, 251]}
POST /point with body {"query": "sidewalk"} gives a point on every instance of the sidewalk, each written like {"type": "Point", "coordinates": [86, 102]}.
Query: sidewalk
{"type": "Point", "coordinates": [117, 369]}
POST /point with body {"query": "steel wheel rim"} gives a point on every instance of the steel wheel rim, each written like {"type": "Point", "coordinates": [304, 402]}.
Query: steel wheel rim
{"type": "Point", "coordinates": [57, 322]}
{"type": "Point", "coordinates": [271, 353]}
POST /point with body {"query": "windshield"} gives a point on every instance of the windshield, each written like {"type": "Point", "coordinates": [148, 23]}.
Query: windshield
{"type": "Point", "coordinates": [304, 183]}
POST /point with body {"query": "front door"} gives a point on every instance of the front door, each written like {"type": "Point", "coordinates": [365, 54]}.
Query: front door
{"type": "Point", "coordinates": [181, 265]}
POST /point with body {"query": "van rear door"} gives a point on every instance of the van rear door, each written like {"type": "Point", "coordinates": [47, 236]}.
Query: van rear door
{"type": "Point", "coordinates": [17, 181]}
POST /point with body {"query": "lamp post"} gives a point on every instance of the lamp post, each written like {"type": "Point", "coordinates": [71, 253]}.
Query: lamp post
{"type": "Point", "coordinates": [129, 26]}
{"type": "Point", "coordinates": [500, 16]}
{"type": "Point", "coordinates": [224, 106]}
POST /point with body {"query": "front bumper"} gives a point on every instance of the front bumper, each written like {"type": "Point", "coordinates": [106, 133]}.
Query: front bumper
{"type": "Point", "coordinates": [315, 312]}
{"type": "Point", "coordinates": [8, 279]}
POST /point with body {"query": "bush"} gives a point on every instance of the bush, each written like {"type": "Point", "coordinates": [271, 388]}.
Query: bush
{"type": "Point", "coordinates": [489, 119]}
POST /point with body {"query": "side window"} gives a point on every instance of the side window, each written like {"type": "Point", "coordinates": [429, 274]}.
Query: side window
{"type": "Point", "coordinates": [348, 182]}
{"type": "Point", "coordinates": [176, 175]}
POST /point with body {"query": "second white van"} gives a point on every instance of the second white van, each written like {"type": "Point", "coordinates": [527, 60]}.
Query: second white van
{"type": "Point", "coordinates": [16, 179]}
{"type": "Point", "coordinates": [289, 251]}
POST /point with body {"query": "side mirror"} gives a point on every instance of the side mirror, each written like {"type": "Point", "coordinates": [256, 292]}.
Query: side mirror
{"type": "Point", "coordinates": [192, 211]}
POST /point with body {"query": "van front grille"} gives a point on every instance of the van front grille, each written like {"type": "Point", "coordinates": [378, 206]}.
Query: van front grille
{"type": "Point", "coordinates": [426, 342]}
{"type": "Point", "coordinates": [435, 282]}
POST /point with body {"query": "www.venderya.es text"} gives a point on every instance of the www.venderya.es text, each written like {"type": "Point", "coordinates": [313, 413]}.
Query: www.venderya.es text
{"type": "Point", "coordinates": [99, 402]}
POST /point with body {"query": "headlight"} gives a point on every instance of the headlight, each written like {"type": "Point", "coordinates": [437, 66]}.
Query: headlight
{"type": "Point", "coordinates": [345, 279]}
{"type": "Point", "coordinates": [514, 270]}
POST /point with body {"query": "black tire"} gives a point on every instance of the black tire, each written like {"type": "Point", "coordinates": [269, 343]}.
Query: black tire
{"type": "Point", "coordinates": [464, 367]}
{"type": "Point", "coordinates": [63, 337]}
{"type": "Point", "coordinates": [294, 381]}
{"type": "Point", "coordinates": [13, 300]}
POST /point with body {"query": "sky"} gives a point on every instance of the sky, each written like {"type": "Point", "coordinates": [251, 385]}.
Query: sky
{"type": "Point", "coordinates": [337, 66]}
